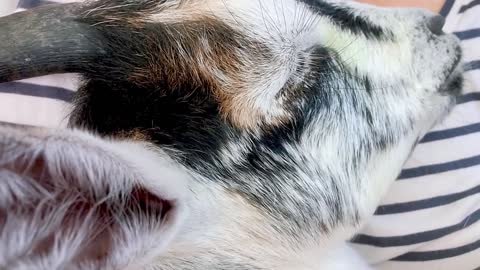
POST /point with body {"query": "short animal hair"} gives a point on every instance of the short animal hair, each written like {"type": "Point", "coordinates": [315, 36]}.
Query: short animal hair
{"type": "Point", "coordinates": [215, 134]}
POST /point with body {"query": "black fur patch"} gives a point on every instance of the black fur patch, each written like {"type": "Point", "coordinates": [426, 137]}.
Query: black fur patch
{"type": "Point", "coordinates": [185, 119]}
{"type": "Point", "coordinates": [346, 20]}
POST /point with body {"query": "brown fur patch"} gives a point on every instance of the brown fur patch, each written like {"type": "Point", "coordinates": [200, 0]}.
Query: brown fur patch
{"type": "Point", "coordinates": [208, 55]}
{"type": "Point", "coordinates": [135, 135]}
{"type": "Point", "coordinates": [183, 45]}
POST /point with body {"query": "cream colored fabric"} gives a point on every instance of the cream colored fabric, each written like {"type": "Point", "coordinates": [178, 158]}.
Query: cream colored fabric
{"type": "Point", "coordinates": [7, 6]}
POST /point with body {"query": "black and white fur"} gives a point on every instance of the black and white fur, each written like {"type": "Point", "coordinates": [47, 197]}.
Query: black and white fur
{"type": "Point", "coordinates": [224, 134]}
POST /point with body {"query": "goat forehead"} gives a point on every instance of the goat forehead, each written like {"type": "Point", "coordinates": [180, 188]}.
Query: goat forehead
{"type": "Point", "coordinates": [289, 28]}
{"type": "Point", "coordinates": [277, 33]}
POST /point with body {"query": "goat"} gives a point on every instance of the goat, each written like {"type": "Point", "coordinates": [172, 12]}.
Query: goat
{"type": "Point", "coordinates": [215, 134]}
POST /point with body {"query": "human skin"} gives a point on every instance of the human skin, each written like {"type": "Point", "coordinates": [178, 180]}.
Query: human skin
{"type": "Point", "coordinates": [433, 5]}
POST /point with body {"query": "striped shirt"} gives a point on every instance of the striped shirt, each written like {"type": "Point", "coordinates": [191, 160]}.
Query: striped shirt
{"type": "Point", "coordinates": [430, 218]}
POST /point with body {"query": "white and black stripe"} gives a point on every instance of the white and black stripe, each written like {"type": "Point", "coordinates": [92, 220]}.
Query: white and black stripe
{"type": "Point", "coordinates": [469, 5]}
{"type": "Point", "coordinates": [468, 34]}
{"type": "Point", "coordinates": [36, 90]}
{"type": "Point", "coordinates": [430, 219]}
{"type": "Point", "coordinates": [26, 4]}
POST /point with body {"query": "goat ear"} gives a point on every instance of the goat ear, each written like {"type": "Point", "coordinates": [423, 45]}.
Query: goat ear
{"type": "Point", "coordinates": [69, 199]}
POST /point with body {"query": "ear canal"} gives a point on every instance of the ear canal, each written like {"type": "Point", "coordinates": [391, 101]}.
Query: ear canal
{"type": "Point", "coordinates": [45, 40]}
